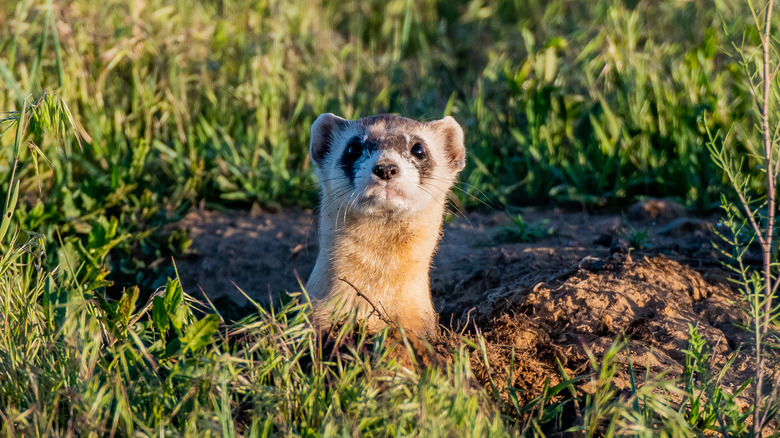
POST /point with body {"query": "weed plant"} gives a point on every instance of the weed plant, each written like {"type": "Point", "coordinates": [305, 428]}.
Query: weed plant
{"type": "Point", "coordinates": [751, 220]}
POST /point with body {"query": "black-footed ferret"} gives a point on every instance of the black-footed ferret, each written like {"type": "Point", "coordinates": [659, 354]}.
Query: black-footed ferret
{"type": "Point", "coordinates": [384, 182]}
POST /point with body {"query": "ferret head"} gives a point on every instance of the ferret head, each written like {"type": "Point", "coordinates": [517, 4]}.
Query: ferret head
{"type": "Point", "coordinates": [385, 165]}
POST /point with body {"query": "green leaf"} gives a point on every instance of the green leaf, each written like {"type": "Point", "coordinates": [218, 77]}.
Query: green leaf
{"type": "Point", "coordinates": [200, 333]}
{"type": "Point", "coordinates": [69, 208]}
{"type": "Point", "coordinates": [179, 317]}
{"type": "Point", "coordinates": [8, 213]}
{"type": "Point", "coordinates": [109, 310]}
{"type": "Point", "coordinates": [10, 83]}
{"type": "Point", "coordinates": [550, 64]}
{"type": "Point", "coordinates": [160, 315]}
{"type": "Point", "coordinates": [172, 297]}
{"type": "Point", "coordinates": [710, 44]}
{"type": "Point", "coordinates": [68, 258]}
{"type": "Point", "coordinates": [127, 305]}
{"type": "Point", "coordinates": [173, 347]}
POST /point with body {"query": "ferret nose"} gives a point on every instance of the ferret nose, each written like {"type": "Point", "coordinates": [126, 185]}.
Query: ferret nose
{"type": "Point", "coordinates": [386, 171]}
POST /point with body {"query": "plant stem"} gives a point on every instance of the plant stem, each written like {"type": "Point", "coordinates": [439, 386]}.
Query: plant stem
{"type": "Point", "coordinates": [763, 326]}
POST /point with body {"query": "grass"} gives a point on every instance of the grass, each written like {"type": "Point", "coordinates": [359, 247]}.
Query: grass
{"type": "Point", "coordinates": [122, 115]}
{"type": "Point", "coordinates": [593, 103]}
{"type": "Point", "coordinates": [73, 363]}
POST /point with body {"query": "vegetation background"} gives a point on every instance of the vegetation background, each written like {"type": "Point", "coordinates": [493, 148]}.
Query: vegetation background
{"type": "Point", "coordinates": [122, 115]}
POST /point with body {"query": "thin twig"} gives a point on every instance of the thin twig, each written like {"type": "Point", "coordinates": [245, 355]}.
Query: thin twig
{"type": "Point", "coordinates": [362, 295]}
{"type": "Point", "coordinates": [468, 317]}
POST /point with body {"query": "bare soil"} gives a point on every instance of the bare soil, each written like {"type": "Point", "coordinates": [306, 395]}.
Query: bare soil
{"type": "Point", "coordinates": [585, 279]}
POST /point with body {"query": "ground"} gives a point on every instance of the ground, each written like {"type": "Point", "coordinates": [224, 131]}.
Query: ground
{"type": "Point", "coordinates": [549, 287]}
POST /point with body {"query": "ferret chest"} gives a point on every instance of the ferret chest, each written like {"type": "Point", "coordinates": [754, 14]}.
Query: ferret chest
{"type": "Point", "coordinates": [383, 249]}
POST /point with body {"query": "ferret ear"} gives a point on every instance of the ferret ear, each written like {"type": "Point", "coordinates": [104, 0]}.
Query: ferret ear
{"type": "Point", "coordinates": [451, 135]}
{"type": "Point", "coordinates": [322, 131]}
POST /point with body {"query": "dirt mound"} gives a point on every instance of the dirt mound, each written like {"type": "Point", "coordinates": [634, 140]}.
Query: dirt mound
{"type": "Point", "coordinates": [660, 210]}
{"type": "Point", "coordinates": [651, 302]}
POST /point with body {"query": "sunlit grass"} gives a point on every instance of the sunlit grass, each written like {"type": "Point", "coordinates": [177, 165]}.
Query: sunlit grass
{"type": "Point", "coordinates": [121, 115]}
{"type": "Point", "coordinates": [175, 104]}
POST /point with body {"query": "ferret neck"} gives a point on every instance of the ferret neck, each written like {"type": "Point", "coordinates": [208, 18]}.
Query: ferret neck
{"type": "Point", "coordinates": [383, 247]}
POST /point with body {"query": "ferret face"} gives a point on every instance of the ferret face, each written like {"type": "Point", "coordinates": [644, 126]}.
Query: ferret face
{"type": "Point", "coordinates": [385, 166]}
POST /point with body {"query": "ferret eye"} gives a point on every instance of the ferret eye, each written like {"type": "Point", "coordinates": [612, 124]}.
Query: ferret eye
{"type": "Point", "coordinates": [418, 150]}
{"type": "Point", "coordinates": [354, 149]}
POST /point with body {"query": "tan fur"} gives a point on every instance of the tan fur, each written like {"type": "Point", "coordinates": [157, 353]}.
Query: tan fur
{"type": "Point", "coordinates": [386, 256]}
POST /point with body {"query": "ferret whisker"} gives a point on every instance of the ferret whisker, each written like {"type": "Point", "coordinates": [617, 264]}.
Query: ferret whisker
{"type": "Point", "coordinates": [330, 200]}
{"type": "Point", "coordinates": [335, 178]}
{"type": "Point", "coordinates": [345, 205]}
{"type": "Point", "coordinates": [327, 180]}
{"type": "Point", "coordinates": [462, 214]}
{"type": "Point", "coordinates": [348, 201]}
{"type": "Point", "coordinates": [426, 191]}
{"type": "Point", "coordinates": [338, 196]}
{"type": "Point", "coordinates": [483, 200]}
{"type": "Point", "coordinates": [458, 211]}
{"type": "Point", "coordinates": [354, 201]}
{"type": "Point", "coordinates": [338, 213]}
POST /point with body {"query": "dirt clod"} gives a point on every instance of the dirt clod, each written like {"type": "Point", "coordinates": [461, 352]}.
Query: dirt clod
{"type": "Point", "coordinates": [658, 210]}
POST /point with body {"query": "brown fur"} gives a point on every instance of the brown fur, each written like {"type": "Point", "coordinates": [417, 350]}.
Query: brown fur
{"type": "Point", "coordinates": [386, 257]}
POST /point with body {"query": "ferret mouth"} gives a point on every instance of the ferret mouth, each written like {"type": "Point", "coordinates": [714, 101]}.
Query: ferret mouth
{"type": "Point", "coordinates": [384, 196]}
{"type": "Point", "coordinates": [387, 193]}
